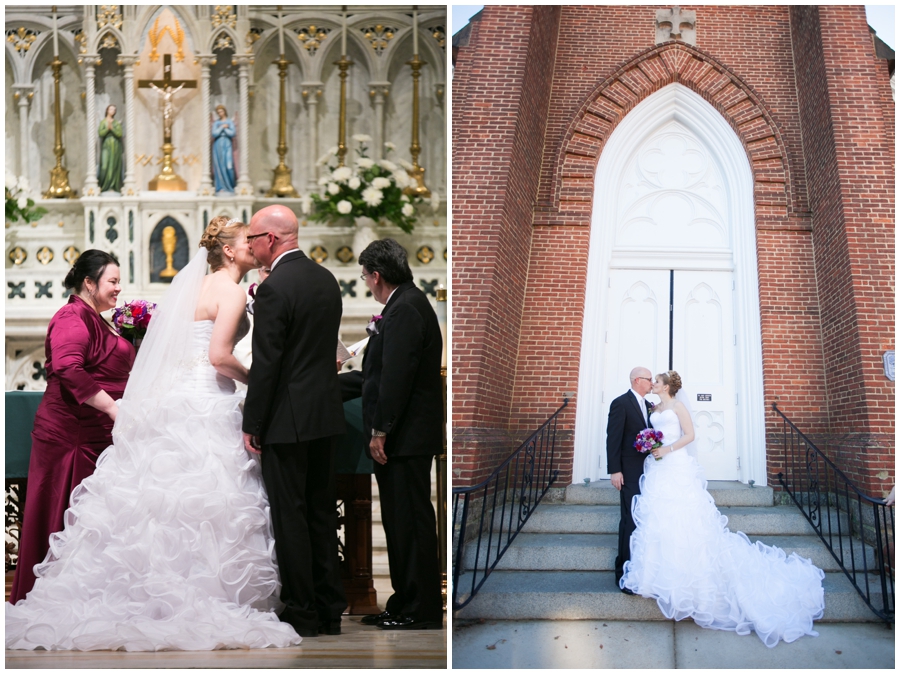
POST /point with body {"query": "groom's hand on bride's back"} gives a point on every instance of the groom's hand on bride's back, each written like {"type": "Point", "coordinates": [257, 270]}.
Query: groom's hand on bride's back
{"type": "Point", "coordinates": [617, 480]}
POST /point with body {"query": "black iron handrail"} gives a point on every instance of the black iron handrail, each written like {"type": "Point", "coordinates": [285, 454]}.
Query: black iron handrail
{"type": "Point", "coordinates": [847, 520]}
{"type": "Point", "coordinates": [511, 492]}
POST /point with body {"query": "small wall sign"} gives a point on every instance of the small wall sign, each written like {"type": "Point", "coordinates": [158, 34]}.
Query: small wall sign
{"type": "Point", "coordinates": [889, 365]}
{"type": "Point", "coordinates": [704, 397]}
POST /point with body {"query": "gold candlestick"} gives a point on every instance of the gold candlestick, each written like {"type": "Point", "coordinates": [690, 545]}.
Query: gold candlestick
{"type": "Point", "coordinates": [59, 175]}
{"type": "Point", "coordinates": [344, 65]}
{"type": "Point", "coordinates": [417, 173]}
{"type": "Point", "coordinates": [281, 181]}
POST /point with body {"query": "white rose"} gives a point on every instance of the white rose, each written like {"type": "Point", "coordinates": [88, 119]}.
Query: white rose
{"type": "Point", "coordinates": [22, 202]}
{"type": "Point", "coordinates": [23, 184]}
{"type": "Point", "coordinates": [435, 201]}
{"type": "Point", "coordinates": [401, 178]}
{"type": "Point", "coordinates": [306, 205]}
{"type": "Point", "coordinates": [365, 162]}
{"type": "Point", "coordinates": [10, 181]}
{"type": "Point", "coordinates": [403, 197]}
{"type": "Point", "coordinates": [405, 164]}
{"type": "Point", "coordinates": [344, 207]}
{"type": "Point", "coordinates": [361, 138]}
{"type": "Point", "coordinates": [388, 164]}
{"type": "Point", "coordinates": [353, 183]}
{"type": "Point", "coordinates": [324, 159]}
{"type": "Point", "coordinates": [407, 210]}
{"type": "Point", "coordinates": [390, 146]}
{"type": "Point", "coordinates": [324, 180]}
{"type": "Point", "coordinates": [380, 183]}
{"type": "Point", "coordinates": [341, 174]}
{"type": "Point", "coordinates": [372, 196]}
{"type": "Point", "coordinates": [333, 188]}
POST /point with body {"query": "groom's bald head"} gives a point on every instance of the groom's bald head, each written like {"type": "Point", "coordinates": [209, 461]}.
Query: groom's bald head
{"type": "Point", "coordinates": [641, 380]}
{"type": "Point", "coordinates": [281, 223]}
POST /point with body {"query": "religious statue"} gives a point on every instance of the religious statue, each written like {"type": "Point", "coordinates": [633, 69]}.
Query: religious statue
{"type": "Point", "coordinates": [223, 131]}
{"type": "Point", "coordinates": [168, 108]}
{"type": "Point", "coordinates": [111, 171]}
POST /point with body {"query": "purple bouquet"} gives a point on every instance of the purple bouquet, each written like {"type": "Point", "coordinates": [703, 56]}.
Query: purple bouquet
{"type": "Point", "coordinates": [132, 320]}
{"type": "Point", "coordinates": [648, 440]}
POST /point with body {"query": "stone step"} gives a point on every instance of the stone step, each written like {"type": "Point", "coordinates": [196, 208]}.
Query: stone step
{"type": "Point", "coordinates": [604, 519]}
{"type": "Point", "coordinates": [725, 493]}
{"type": "Point", "coordinates": [597, 552]}
{"type": "Point", "coordinates": [593, 595]}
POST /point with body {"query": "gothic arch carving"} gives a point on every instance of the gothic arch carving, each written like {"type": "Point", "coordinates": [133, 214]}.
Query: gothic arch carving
{"type": "Point", "coordinates": [653, 69]}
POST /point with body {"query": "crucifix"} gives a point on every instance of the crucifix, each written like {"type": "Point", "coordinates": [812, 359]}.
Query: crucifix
{"type": "Point", "coordinates": [167, 180]}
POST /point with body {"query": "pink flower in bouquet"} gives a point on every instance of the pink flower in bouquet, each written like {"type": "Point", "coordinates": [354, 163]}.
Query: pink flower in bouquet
{"type": "Point", "coordinates": [133, 318]}
{"type": "Point", "coordinates": [648, 440]}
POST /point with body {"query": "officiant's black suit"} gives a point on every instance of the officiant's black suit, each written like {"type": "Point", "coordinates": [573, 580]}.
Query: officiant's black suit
{"type": "Point", "coordinates": [402, 395]}
{"type": "Point", "coordinates": [625, 422]}
{"type": "Point", "coordinates": [294, 406]}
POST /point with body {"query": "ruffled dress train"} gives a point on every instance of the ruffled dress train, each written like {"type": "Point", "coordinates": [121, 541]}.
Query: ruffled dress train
{"type": "Point", "coordinates": [684, 556]}
{"type": "Point", "coordinates": [168, 545]}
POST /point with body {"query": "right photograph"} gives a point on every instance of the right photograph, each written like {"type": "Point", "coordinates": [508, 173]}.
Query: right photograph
{"type": "Point", "coordinates": [673, 335]}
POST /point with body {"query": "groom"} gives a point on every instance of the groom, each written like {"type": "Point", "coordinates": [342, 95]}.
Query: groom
{"type": "Point", "coordinates": [293, 415]}
{"type": "Point", "coordinates": [629, 414]}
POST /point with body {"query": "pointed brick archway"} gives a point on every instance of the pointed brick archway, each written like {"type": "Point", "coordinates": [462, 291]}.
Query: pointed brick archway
{"type": "Point", "coordinates": [612, 100]}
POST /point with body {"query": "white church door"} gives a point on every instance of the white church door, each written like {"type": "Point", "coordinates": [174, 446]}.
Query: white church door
{"type": "Point", "coordinates": [681, 320]}
{"type": "Point", "coordinates": [672, 282]}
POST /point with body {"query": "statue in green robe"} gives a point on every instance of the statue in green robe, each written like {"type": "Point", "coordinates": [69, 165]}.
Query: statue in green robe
{"type": "Point", "coordinates": [111, 171]}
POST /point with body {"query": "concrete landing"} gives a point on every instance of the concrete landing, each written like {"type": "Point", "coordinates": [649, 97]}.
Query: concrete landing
{"type": "Point", "coordinates": [724, 493]}
{"type": "Point", "coordinates": [608, 644]}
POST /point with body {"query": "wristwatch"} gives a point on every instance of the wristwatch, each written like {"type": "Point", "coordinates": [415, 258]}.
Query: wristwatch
{"type": "Point", "coordinates": [378, 434]}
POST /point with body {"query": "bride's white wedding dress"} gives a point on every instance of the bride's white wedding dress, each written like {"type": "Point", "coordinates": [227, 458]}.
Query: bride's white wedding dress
{"type": "Point", "coordinates": [684, 556]}
{"type": "Point", "coordinates": [168, 544]}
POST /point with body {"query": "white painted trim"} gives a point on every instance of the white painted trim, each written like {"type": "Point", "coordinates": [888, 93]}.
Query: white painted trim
{"type": "Point", "coordinates": [674, 102]}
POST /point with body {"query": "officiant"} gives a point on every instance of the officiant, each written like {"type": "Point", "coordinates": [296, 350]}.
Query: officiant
{"type": "Point", "coordinates": [402, 400]}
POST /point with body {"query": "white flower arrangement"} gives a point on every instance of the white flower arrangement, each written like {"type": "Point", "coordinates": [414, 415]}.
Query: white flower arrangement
{"type": "Point", "coordinates": [373, 189]}
{"type": "Point", "coordinates": [18, 203]}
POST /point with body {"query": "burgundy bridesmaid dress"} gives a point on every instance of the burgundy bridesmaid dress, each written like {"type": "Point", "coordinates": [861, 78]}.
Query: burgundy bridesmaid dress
{"type": "Point", "coordinates": [84, 356]}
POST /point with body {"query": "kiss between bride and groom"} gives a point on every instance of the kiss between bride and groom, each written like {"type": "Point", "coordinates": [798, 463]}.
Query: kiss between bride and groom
{"type": "Point", "coordinates": [169, 544]}
{"type": "Point", "coordinates": [674, 545]}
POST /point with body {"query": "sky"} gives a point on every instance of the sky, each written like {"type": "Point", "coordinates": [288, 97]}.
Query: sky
{"type": "Point", "coordinates": [880, 17]}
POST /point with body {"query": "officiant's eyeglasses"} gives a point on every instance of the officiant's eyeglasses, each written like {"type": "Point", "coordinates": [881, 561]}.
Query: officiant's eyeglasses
{"type": "Point", "coordinates": [256, 236]}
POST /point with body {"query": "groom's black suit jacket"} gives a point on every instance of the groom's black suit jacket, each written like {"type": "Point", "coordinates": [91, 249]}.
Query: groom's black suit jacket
{"type": "Point", "coordinates": [400, 382]}
{"type": "Point", "coordinates": [294, 394]}
{"type": "Point", "coordinates": [625, 422]}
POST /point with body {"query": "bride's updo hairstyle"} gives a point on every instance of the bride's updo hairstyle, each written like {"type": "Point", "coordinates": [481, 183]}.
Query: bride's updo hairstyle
{"type": "Point", "coordinates": [671, 379]}
{"type": "Point", "coordinates": [219, 232]}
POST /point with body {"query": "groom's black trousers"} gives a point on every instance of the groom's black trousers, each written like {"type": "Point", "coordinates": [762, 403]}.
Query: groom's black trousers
{"type": "Point", "coordinates": [299, 478]}
{"type": "Point", "coordinates": [630, 489]}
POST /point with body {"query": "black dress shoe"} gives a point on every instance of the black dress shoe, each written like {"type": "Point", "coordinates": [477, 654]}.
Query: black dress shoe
{"type": "Point", "coordinates": [625, 590]}
{"type": "Point", "coordinates": [330, 627]}
{"type": "Point", "coordinates": [407, 623]}
{"type": "Point", "coordinates": [374, 619]}
{"type": "Point", "coordinates": [306, 631]}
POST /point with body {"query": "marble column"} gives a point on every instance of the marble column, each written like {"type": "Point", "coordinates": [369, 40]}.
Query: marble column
{"type": "Point", "coordinates": [23, 94]}
{"type": "Point", "coordinates": [130, 187]}
{"type": "Point", "coordinates": [378, 91]}
{"type": "Point", "coordinates": [206, 184]}
{"type": "Point", "coordinates": [244, 187]}
{"type": "Point", "coordinates": [312, 92]}
{"type": "Point", "coordinates": [440, 173]}
{"type": "Point", "coordinates": [91, 187]}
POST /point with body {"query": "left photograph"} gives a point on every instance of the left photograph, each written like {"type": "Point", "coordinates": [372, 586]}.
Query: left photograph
{"type": "Point", "coordinates": [226, 338]}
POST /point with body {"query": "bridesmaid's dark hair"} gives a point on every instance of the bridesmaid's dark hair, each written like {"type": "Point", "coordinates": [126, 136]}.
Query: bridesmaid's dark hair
{"type": "Point", "coordinates": [90, 264]}
{"type": "Point", "coordinates": [671, 379]}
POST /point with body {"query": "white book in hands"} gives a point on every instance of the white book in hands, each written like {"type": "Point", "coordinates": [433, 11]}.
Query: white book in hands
{"type": "Point", "coordinates": [345, 353]}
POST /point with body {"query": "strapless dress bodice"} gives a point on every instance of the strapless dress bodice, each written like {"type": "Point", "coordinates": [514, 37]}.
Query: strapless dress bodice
{"type": "Point", "coordinates": [667, 422]}
{"type": "Point", "coordinates": [200, 376]}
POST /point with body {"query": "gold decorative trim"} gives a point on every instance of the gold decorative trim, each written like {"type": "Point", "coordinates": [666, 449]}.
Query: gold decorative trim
{"type": "Point", "coordinates": [21, 39]}
{"type": "Point", "coordinates": [379, 36]}
{"type": "Point", "coordinates": [18, 255]}
{"type": "Point", "coordinates": [223, 42]}
{"type": "Point", "coordinates": [109, 42]}
{"type": "Point", "coordinates": [71, 254]}
{"type": "Point", "coordinates": [312, 37]}
{"type": "Point", "coordinates": [80, 40]}
{"type": "Point", "coordinates": [224, 17]}
{"type": "Point", "coordinates": [44, 255]}
{"type": "Point", "coordinates": [345, 254]}
{"type": "Point", "coordinates": [319, 254]}
{"type": "Point", "coordinates": [439, 33]}
{"type": "Point", "coordinates": [109, 16]}
{"type": "Point", "coordinates": [425, 254]}
{"type": "Point", "coordinates": [155, 35]}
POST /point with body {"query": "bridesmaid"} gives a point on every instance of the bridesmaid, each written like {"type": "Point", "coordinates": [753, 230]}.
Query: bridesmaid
{"type": "Point", "coordinates": [87, 368]}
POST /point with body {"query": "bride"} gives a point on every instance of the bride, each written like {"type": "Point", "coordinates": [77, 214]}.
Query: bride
{"type": "Point", "coordinates": [684, 556]}
{"type": "Point", "coordinates": [168, 544]}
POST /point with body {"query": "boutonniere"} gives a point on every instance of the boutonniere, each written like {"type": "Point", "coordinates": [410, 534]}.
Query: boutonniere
{"type": "Point", "coordinates": [372, 327]}
{"type": "Point", "coordinates": [251, 291]}
{"type": "Point", "coordinates": [652, 407]}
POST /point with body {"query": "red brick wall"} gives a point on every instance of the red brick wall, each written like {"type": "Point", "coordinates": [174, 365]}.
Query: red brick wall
{"type": "Point", "coordinates": [849, 154]}
{"type": "Point", "coordinates": [497, 149]}
{"type": "Point", "coordinates": [744, 66]}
